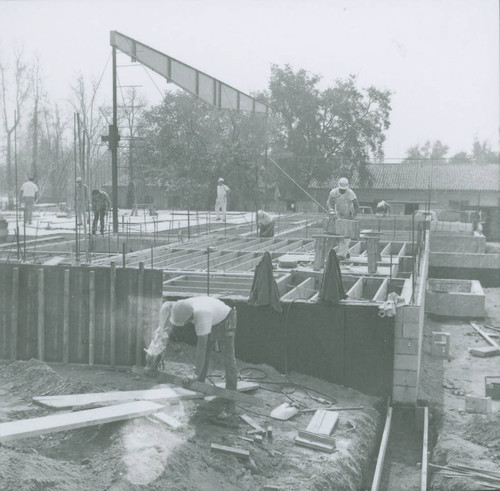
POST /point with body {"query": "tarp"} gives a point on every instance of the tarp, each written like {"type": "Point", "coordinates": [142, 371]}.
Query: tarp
{"type": "Point", "coordinates": [332, 288]}
{"type": "Point", "coordinates": [264, 289]}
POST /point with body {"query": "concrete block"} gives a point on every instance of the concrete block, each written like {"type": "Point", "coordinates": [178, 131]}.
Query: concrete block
{"type": "Point", "coordinates": [440, 346]}
{"type": "Point", "coordinates": [406, 346]}
{"type": "Point", "coordinates": [484, 351]}
{"type": "Point", "coordinates": [475, 404]}
{"type": "Point", "coordinates": [398, 318]}
{"type": "Point", "coordinates": [411, 314]}
{"type": "Point", "coordinates": [411, 330]}
{"type": "Point", "coordinates": [404, 395]}
{"type": "Point", "coordinates": [405, 362]}
{"type": "Point", "coordinates": [406, 378]}
{"type": "Point", "coordinates": [398, 331]}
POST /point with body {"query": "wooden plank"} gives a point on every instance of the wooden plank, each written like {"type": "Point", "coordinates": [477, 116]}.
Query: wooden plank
{"type": "Point", "coordinates": [316, 421]}
{"type": "Point", "coordinates": [315, 437]}
{"type": "Point", "coordinates": [211, 390]}
{"type": "Point", "coordinates": [66, 317]}
{"type": "Point", "coordinates": [168, 420]}
{"type": "Point", "coordinates": [74, 401]}
{"type": "Point", "coordinates": [423, 482]}
{"type": "Point", "coordinates": [23, 428]}
{"type": "Point", "coordinates": [243, 386]}
{"type": "Point", "coordinates": [484, 335]}
{"type": "Point", "coordinates": [112, 317]}
{"type": "Point", "coordinates": [314, 445]}
{"type": "Point", "coordinates": [41, 316]}
{"type": "Point", "coordinates": [91, 316]}
{"type": "Point", "coordinates": [381, 453]}
{"type": "Point", "coordinates": [14, 313]}
{"type": "Point", "coordinates": [326, 423]}
{"type": "Point", "coordinates": [256, 426]}
{"type": "Point", "coordinates": [238, 452]}
{"type": "Point", "coordinates": [303, 290]}
{"type": "Point", "coordinates": [140, 320]}
{"type": "Point", "coordinates": [80, 314]}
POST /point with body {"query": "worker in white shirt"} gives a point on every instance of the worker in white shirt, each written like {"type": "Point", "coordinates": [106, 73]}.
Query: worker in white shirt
{"type": "Point", "coordinates": [213, 321]}
{"type": "Point", "coordinates": [29, 194]}
{"type": "Point", "coordinates": [382, 208]}
{"type": "Point", "coordinates": [342, 201]}
{"type": "Point", "coordinates": [82, 201]}
{"type": "Point", "coordinates": [221, 200]}
{"type": "Point", "coordinates": [266, 224]}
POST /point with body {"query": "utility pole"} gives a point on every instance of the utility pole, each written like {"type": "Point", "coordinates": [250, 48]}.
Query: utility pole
{"type": "Point", "coordinates": [113, 146]}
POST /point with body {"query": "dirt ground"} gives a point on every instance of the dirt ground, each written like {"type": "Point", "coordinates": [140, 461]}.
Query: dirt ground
{"type": "Point", "coordinates": [144, 454]}
{"type": "Point", "coordinates": [460, 437]}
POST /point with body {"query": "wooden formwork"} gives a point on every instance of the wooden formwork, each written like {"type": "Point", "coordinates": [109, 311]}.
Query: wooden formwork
{"type": "Point", "coordinates": [80, 314]}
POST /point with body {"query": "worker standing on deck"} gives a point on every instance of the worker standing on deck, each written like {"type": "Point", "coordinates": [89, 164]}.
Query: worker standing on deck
{"type": "Point", "coordinates": [221, 200]}
{"type": "Point", "coordinates": [266, 224]}
{"type": "Point", "coordinates": [29, 194]}
{"type": "Point", "coordinates": [213, 321]}
{"type": "Point", "coordinates": [342, 202]}
{"type": "Point", "coordinates": [82, 198]}
{"type": "Point", "coordinates": [382, 208]}
{"type": "Point", "coordinates": [101, 204]}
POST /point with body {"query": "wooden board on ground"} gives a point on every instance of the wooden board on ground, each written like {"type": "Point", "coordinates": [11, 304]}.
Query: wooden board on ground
{"type": "Point", "coordinates": [238, 452]}
{"type": "Point", "coordinates": [243, 386]}
{"type": "Point", "coordinates": [484, 351]}
{"type": "Point", "coordinates": [256, 426]}
{"type": "Point", "coordinates": [314, 445]}
{"type": "Point", "coordinates": [23, 428]}
{"type": "Point", "coordinates": [323, 422]}
{"type": "Point", "coordinates": [484, 335]}
{"type": "Point", "coordinates": [168, 420]}
{"type": "Point", "coordinates": [211, 390]}
{"type": "Point", "coordinates": [167, 394]}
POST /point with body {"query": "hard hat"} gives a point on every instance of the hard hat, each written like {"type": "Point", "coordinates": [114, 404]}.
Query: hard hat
{"type": "Point", "coordinates": [260, 213]}
{"type": "Point", "coordinates": [78, 179]}
{"type": "Point", "coordinates": [343, 183]}
{"type": "Point", "coordinates": [220, 179]}
{"type": "Point", "coordinates": [181, 312]}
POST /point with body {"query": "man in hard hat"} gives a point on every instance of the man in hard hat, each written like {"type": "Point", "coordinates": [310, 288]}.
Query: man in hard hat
{"type": "Point", "coordinates": [342, 202]}
{"type": "Point", "coordinates": [101, 204]}
{"type": "Point", "coordinates": [29, 194]}
{"type": "Point", "coordinates": [382, 208]}
{"type": "Point", "coordinates": [213, 321]}
{"type": "Point", "coordinates": [266, 224]}
{"type": "Point", "coordinates": [82, 197]}
{"type": "Point", "coordinates": [221, 200]}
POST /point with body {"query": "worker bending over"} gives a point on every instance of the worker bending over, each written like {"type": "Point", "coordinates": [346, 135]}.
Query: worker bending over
{"type": "Point", "coordinates": [382, 208]}
{"type": "Point", "coordinates": [213, 321]}
{"type": "Point", "coordinates": [266, 224]}
{"type": "Point", "coordinates": [342, 202]}
{"type": "Point", "coordinates": [221, 200]}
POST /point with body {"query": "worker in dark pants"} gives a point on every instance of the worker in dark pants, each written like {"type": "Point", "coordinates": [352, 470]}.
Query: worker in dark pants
{"type": "Point", "coordinates": [101, 204]}
{"type": "Point", "coordinates": [214, 321]}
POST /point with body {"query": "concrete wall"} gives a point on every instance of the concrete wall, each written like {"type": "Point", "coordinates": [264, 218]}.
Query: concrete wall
{"type": "Point", "coordinates": [455, 298]}
{"type": "Point", "coordinates": [452, 243]}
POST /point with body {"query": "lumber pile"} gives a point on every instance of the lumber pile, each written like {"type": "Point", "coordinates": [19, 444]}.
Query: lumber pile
{"type": "Point", "coordinates": [483, 477]}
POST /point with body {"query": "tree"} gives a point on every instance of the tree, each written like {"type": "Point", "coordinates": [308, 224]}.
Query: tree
{"type": "Point", "coordinates": [332, 131]}
{"type": "Point", "coordinates": [481, 151]}
{"type": "Point", "coordinates": [428, 151]}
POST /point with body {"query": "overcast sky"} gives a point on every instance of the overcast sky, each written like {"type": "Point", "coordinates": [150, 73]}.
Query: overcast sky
{"type": "Point", "coordinates": [439, 57]}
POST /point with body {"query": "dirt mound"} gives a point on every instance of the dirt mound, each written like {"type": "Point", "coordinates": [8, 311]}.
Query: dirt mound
{"type": "Point", "coordinates": [484, 430]}
{"type": "Point", "coordinates": [35, 378]}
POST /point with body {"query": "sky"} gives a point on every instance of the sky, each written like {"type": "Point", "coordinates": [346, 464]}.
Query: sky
{"type": "Point", "coordinates": [440, 58]}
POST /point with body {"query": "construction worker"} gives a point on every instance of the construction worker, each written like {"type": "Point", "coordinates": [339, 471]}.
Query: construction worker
{"type": "Point", "coordinates": [29, 194]}
{"type": "Point", "coordinates": [82, 198]}
{"type": "Point", "coordinates": [342, 202]}
{"type": "Point", "coordinates": [382, 208]}
{"type": "Point", "coordinates": [266, 224]}
{"type": "Point", "coordinates": [221, 200]}
{"type": "Point", "coordinates": [101, 204]}
{"type": "Point", "coordinates": [213, 321]}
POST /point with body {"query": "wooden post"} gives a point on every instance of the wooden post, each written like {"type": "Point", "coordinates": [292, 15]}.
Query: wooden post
{"type": "Point", "coordinates": [140, 303]}
{"type": "Point", "coordinates": [14, 313]}
{"type": "Point", "coordinates": [41, 316]}
{"type": "Point", "coordinates": [381, 454]}
{"type": "Point", "coordinates": [423, 483]}
{"type": "Point", "coordinates": [112, 318]}
{"type": "Point", "coordinates": [66, 317]}
{"type": "Point", "coordinates": [91, 316]}
{"type": "Point", "coordinates": [372, 253]}
{"type": "Point", "coordinates": [79, 320]}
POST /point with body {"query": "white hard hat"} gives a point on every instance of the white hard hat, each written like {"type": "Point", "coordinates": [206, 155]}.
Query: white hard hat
{"type": "Point", "coordinates": [78, 179]}
{"type": "Point", "coordinates": [220, 179]}
{"type": "Point", "coordinates": [181, 312]}
{"type": "Point", "coordinates": [343, 183]}
{"type": "Point", "coordinates": [260, 213]}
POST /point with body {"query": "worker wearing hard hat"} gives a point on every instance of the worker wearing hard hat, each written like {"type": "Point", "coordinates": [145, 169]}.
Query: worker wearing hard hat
{"type": "Point", "coordinates": [266, 224]}
{"type": "Point", "coordinates": [342, 202]}
{"type": "Point", "coordinates": [221, 200]}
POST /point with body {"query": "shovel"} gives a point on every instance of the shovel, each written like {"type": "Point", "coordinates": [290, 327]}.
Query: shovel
{"type": "Point", "coordinates": [284, 411]}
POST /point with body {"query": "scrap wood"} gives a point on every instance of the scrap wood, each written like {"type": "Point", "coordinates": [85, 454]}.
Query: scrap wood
{"type": "Point", "coordinates": [256, 426]}
{"type": "Point", "coordinates": [98, 399]}
{"type": "Point", "coordinates": [484, 335]}
{"type": "Point", "coordinates": [168, 420]}
{"type": "Point", "coordinates": [349, 408]}
{"type": "Point", "coordinates": [467, 473]}
{"type": "Point", "coordinates": [238, 452]}
{"type": "Point", "coordinates": [211, 390]}
{"type": "Point", "coordinates": [475, 469]}
{"type": "Point", "coordinates": [307, 435]}
{"type": "Point", "coordinates": [303, 442]}
{"type": "Point", "coordinates": [22, 428]}
{"type": "Point", "coordinates": [323, 422]}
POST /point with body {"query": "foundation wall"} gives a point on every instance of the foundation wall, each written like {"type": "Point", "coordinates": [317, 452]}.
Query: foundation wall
{"type": "Point", "coordinates": [452, 243]}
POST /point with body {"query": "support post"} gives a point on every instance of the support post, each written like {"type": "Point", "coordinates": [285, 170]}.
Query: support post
{"type": "Point", "coordinates": [66, 317]}
{"type": "Point", "coordinates": [140, 320]}
{"type": "Point", "coordinates": [14, 313]}
{"type": "Point", "coordinates": [91, 316]}
{"type": "Point", "coordinates": [372, 253]}
{"type": "Point", "coordinates": [112, 317]}
{"type": "Point", "coordinates": [41, 316]}
{"type": "Point", "coordinates": [113, 145]}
